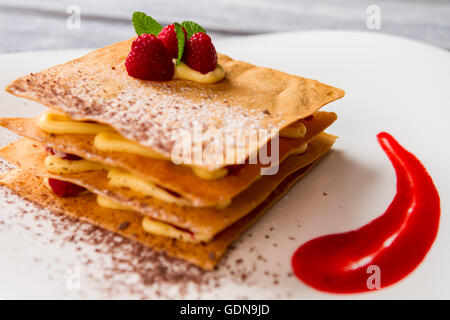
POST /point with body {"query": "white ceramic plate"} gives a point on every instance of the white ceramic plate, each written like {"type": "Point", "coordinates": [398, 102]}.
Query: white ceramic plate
{"type": "Point", "coordinates": [392, 84]}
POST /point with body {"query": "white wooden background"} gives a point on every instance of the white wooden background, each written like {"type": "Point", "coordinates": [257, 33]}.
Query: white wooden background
{"type": "Point", "coordinates": [41, 24]}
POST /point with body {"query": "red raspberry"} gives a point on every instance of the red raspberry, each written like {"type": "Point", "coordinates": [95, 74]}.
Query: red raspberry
{"type": "Point", "coordinates": [200, 54]}
{"type": "Point", "coordinates": [169, 37]}
{"type": "Point", "coordinates": [149, 60]}
{"type": "Point", "coordinates": [141, 41]}
{"type": "Point", "coordinates": [64, 188]}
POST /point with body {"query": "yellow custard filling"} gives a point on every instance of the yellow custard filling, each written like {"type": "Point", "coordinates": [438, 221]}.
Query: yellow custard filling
{"type": "Point", "coordinates": [61, 124]}
{"type": "Point", "coordinates": [108, 140]}
{"type": "Point", "coordinates": [208, 174]}
{"type": "Point", "coordinates": [300, 150]}
{"type": "Point", "coordinates": [182, 71]}
{"type": "Point", "coordinates": [166, 230]}
{"type": "Point", "coordinates": [118, 178]}
{"type": "Point", "coordinates": [57, 165]}
{"type": "Point", "coordinates": [114, 142]}
{"type": "Point", "coordinates": [122, 179]}
{"type": "Point", "coordinates": [110, 204]}
{"type": "Point", "coordinates": [148, 224]}
{"type": "Point", "coordinates": [296, 130]}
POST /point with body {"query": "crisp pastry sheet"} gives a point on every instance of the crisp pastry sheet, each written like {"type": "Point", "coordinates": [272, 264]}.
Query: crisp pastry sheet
{"type": "Point", "coordinates": [204, 223]}
{"type": "Point", "coordinates": [155, 114]}
{"type": "Point", "coordinates": [176, 178]}
{"type": "Point", "coordinates": [85, 207]}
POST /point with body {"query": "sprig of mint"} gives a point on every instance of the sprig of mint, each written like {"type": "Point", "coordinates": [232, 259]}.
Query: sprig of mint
{"type": "Point", "coordinates": [143, 23]}
{"type": "Point", "coordinates": [180, 39]}
{"type": "Point", "coordinates": [192, 28]}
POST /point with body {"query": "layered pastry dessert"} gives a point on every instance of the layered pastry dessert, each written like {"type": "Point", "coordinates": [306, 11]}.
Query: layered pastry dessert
{"type": "Point", "coordinates": [166, 142]}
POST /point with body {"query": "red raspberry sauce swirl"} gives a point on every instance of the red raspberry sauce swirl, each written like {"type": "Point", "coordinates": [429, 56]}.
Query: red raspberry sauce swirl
{"type": "Point", "coordinates": [396, 242]}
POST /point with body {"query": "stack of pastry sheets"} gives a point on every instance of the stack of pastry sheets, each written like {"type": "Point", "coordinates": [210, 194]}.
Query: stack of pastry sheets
{"type": "Point", "coordinates": [115, 136]}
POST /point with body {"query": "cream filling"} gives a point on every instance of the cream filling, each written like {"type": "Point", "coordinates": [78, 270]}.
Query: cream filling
{"type": "Point", "coordinates": [57, 165]}
{"type": "Point", "coordinates": [296, 130]}
{"type": "Point", "coordinates": [123, 179]}
{"type": "Point", "coordinates": [111, 204]}
{"type": "Point", "coordinates": [148, 224]}
{"type": "Point", "coordinates": [182, 71]}
{"type": "Point", "coordinates": [300, 150]}
{"type": "Point", "coordinates": [56, 123]}
{"type": "Point", "coordinates": [118, 178]}
{"type": "Point", "coordinates": [166, 230]}
{"type": "Point", "coordinates": [114, 142]}
{"type": "Point", "coordinates": [107, 140]}
{"type": "Point", "coordinates": [206, 174]}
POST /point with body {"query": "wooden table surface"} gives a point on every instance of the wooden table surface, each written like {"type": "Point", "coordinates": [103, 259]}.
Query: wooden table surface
{"type": "Point", "coordinates": [41, 24]}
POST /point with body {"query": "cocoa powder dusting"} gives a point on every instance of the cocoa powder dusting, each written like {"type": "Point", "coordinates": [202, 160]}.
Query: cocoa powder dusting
{"type": "Point", "coordinates": [116, 267]}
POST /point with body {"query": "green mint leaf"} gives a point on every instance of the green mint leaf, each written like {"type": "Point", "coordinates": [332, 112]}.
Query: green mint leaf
{"type": "Point", "coordinates": [180, 39]}
{"type": "Point", "coordinates": [192, 28]}
{"type": "Point", "coordinates": [145, 24]}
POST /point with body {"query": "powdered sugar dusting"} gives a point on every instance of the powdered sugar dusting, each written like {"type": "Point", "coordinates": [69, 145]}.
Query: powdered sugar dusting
{"type": "Point", "coordinates": [154, 114]}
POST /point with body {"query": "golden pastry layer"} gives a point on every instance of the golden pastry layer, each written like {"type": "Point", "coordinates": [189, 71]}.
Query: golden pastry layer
{"type": "Point", "coordinates": [177, 178]}
{"type": "Point", "coordinates": [107, 140]}
{"type": "Point", "coordinates": [85, 208]}
{"type": "Point", "coordinates": [156, 114]}
{"type": "Point", "coordinates": [204, 223]}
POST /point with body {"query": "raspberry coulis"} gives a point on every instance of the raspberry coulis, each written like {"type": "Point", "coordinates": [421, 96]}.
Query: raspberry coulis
{"type": "Point", "coordinates": [396, 242]}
